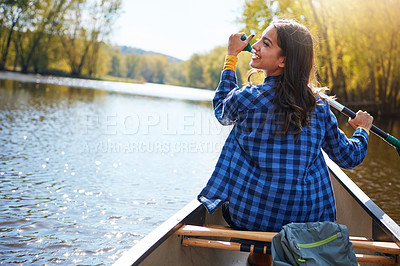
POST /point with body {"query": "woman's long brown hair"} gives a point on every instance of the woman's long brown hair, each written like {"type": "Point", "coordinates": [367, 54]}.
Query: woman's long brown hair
{"type": "Point", "coordinates": [294, 98]}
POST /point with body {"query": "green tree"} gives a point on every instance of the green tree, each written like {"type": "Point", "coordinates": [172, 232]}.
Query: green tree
{"type": "Point", "coordinates": [176, 74]}
{"type": "Point", "coordinates": [257, 14]}
{"type": "Point", "coordinates": [132, 66]}
{"type": "Point", "coordinates": [92, 61]}
{"type": "Point", "coordinates": [87, 23]}
{"type": "Point", "coordinates": [195, 71]}
{"type": "Point", "coordinates": [10, 13]}
{"type": "Point", "coordinates": [153, 68]}
{"type": "Point", "coordinates": [115, 66]}
{"type": "Point", "coordinates": [160, 68]}
{"type": "Point", "coordinates": [213, 66]}
{"type": "Point", "coordinates": [42, 19]}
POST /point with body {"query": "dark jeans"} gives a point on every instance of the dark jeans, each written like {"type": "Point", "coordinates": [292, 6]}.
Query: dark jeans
{"type": "Point", "coordinates": [258, 245]}
{"type": "Point", "coordinates": [227, 217]}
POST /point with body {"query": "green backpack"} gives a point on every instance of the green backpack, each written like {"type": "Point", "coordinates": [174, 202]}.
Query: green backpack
{"type": "Point", "coordinates": [319, 243]}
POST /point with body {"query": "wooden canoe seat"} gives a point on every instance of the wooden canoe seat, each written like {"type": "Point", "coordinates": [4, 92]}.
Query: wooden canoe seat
{"type": "Point", "coordinates": [217, 231]}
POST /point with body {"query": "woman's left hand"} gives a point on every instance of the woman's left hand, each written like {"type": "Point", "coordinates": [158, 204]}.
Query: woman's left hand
{"type": "Point", "coordinates": [236, 45]}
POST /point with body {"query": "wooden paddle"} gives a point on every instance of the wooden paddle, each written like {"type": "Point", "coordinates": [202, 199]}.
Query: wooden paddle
{"type": "Point", "coordinates": [379, 132]}
{"type": "Point", "coordinates": [213, 231]}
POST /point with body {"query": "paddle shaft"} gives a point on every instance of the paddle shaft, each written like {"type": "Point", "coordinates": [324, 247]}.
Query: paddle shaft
{"type": "Point", "coordinates": [379, 132]}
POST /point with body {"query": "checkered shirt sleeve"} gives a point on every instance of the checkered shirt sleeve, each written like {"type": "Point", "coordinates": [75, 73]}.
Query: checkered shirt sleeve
{"type": "Point", "coordinates": [347, 153]}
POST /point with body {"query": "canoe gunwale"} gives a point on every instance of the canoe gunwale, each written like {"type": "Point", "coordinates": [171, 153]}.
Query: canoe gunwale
{"type": "Point", "coordinates": [384, 227]}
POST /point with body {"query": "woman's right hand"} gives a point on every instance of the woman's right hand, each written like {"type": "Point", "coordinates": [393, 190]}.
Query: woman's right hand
{"type": "Point", "coordinates": [362, 119]}
{"type": "Point", "coordinates": [236, 45]}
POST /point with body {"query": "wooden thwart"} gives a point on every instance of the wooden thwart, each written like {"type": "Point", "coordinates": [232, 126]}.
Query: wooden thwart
{"type": "Point", "coordinates": [194, 230]}
{"type": "Point", "coordinates": [197, 242]}
{"type": "Point", "coordinates": [375, 259]}
{"type": "Point", "coordinates": [219, 231]}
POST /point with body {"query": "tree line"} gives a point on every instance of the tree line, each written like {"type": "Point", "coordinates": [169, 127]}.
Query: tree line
{"type": "Point", "coordinates": [358, 45]}
{"type": "Point", "coordinates": [199, 71]}
{"type": "Point", "coordinates": [69, 37]}
{"type": "Point", "coordinates": [55, 35]}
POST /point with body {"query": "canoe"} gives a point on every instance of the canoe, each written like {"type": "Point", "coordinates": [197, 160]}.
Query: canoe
{"type": "Point", "coordinates": [364, 219]}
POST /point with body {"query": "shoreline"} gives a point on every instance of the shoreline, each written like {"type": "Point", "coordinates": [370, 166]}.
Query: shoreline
{"type": "Point", "coordinates": [143, 89]}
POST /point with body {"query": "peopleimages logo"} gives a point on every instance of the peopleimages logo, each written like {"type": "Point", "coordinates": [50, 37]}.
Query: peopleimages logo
{"type": "Point", "coordinates": [153, 133]}
{"type": "Point", "coordinates": [152, 123]}
{"type": "Point", "coordinates": [168, 133]}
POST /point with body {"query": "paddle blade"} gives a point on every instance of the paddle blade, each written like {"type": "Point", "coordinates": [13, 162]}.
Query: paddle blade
{"type": "Point", "coordinates": [395, 142]}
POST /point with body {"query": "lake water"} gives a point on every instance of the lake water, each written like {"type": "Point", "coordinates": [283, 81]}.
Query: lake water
{"type": "Point", "coordinates": [86, 173]}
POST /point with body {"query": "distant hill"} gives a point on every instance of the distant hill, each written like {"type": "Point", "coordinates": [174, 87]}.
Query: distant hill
{"type": "Point", "coordinates": [132, 50]}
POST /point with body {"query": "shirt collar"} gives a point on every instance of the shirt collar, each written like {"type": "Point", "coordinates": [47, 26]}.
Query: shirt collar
{"type": "Point", "coordinates": [271, 79]}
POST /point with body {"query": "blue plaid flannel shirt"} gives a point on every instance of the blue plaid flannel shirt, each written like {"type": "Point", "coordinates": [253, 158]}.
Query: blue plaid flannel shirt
{"type": "Point", "coordinates": [270, 179]}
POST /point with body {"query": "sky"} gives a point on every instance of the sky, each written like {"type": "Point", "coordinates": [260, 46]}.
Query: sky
{"type": "Point", "coordinates": [178, 28]}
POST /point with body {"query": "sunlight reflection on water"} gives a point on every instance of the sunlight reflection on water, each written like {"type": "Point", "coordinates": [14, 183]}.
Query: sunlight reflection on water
{"type": "Point", "coordinates": [85, 174]}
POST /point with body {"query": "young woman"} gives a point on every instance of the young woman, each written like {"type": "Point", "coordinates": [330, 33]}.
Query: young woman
{"type": "Point", "coordinates": [271, 170]}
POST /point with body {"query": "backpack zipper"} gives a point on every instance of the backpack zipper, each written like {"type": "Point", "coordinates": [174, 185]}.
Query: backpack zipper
{"type": "Point", "coordinates": [320, 243]}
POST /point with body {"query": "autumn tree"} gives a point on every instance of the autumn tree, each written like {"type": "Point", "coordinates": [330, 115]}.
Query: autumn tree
{"type": "Point", "coordinates": [195, 71]}
{"type": "Point", "coordinates": [87, 23]}
{"type": "Point", "coordinates": [11, 11]}
{"type": "Point", "coordinates": [41, 20]}
{"type": "Point", "coordinates": [132, 62]}
{"type": "Point", "coordinates": [153, 68]}
{"type": "Point", "coordinates": [358, 44]}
